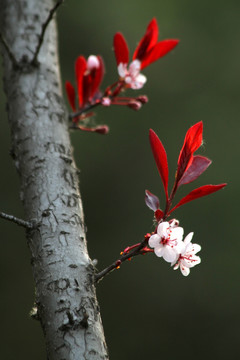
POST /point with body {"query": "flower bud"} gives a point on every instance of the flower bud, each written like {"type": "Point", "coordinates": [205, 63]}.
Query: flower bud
{"type": "Point", "coordinates": [92, 62]}
{"type": "Point", "coordinates": [118, 263]}
{"type": "Point", "coordinates": [134, 104]}
{"type": "Point", "coordinates": [143, 99]}
{"type": "Point", "coordinates": [102, 129]}
{"type": "Point", "coordinates": [174, 223]}
{"type": "Point", "coordinates": [106, 101]}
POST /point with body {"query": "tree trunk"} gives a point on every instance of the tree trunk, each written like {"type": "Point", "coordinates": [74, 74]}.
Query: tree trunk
{"type": "Point", "coordinates": [63, 272]}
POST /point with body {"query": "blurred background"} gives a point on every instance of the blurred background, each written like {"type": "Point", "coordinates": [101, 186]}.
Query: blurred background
{"type": "Point", "coordinates": [148, 310]}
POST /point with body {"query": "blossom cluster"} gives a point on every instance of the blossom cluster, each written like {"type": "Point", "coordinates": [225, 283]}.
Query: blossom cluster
{"type": "Point", "coordinates": [168, 243]}
{"type": "Point", "coordinates": [167, 238]}
{"type": "Point", "coordinates": [89, 75]}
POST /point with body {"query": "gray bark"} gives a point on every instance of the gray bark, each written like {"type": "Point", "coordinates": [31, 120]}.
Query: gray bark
{"type": "Point", "coordinates": [41, 149]}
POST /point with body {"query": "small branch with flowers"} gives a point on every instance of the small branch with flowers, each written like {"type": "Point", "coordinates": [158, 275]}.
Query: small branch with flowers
{"type": "Point", "coordinates": [89, 76]}
{"type": "Point", "coordinates": [167, 239]}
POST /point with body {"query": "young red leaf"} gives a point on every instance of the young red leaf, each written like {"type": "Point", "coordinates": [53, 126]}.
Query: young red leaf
{"type": "Point", "coordinates": [97, 77]}
{"type": "Point", "coordinates": [70, 94]}
{"type": "Point", "coordinates": [197, 193]}
{"type": "Point", "coordinates": [192, 142]}
{"type": "Point", "coordinates": [160, 157]}
{"type": "Point", "coordinates": [159, 50]}
{"type": "Point", "coordinates": [80, 68]}
{"type": "Point", "coordinates": [197, 167]}
{"type": "Point", "coordinates": [158, 215]}
{"type": "Point", "coordinates": [120, 48]}
{"type": "Point", "coordinates": [86, 87]}
{"type": "Point", "coordinates": [148, 40]}
{"type": "Point", "coordinates": [151, 200]}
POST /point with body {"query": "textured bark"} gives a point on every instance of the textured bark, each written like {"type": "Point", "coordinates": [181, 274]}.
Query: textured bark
{"type": "Point", "coordinates": [41, 148]}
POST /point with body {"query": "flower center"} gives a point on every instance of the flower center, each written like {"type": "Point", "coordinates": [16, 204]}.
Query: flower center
{"type": "Point", "coordinates": [166, 240]}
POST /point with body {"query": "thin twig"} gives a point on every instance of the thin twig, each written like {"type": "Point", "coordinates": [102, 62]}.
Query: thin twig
{"type": "Point", "coordinates": [44, 28]}
{"type": "Point", "coordinates": [9, 52]}
{"type": "Point", "coordinates": [20, 222]}
{"type": "Point", "coordinates": [83, 111]}
{"type": "Point", "coordinates": [122, 258]}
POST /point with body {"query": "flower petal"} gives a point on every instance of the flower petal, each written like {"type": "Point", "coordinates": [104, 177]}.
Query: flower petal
{"type": "Point", "coordinates": [170, 254]}
{"type": "Point", "coordinates": [184, 270]}
{"type": "Point", "coordinates": [176, 266]}
{"type": "Point", "coordinates": [122, 70]}
{"type": "Point", "coordinates": [188, 238]}
{"type": "Point", "coordinates": [159, 251]}
{"type": "Point", "coordinates": [196, 248]}
{"type": "Point", "coordinates": [139, 82]}
{"type": "Point", "coordinates": [191, 261]}
{"type": "Point", "coordinates": [162, 229]}
{"type": "Point", "coordinates": [154, 240]}
{"type": "Point", "coordinates": [177, 233]}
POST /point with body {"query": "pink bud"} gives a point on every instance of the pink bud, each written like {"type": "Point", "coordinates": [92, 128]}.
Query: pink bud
{"type": "Point", "coordinates": [102, 129]}
{"type": "Point", "coordinates": [106, 101]}
{"type": "Point", "coordinates": [92, 62]}
{"type": "Point", "coordinates": [135, 105]}
{"type": "Point", "coordinates": [142, 98]}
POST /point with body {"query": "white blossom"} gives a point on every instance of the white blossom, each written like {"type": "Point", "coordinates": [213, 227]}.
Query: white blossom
{"type": "Point", "coordinates": [132, 76]}
{"type": "Point", "coordinates": [187, 258]}
{"type": "Point", "coordinates": [167, 242]}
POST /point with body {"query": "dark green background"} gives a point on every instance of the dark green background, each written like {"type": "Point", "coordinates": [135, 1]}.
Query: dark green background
{"type": "Point", "coordinates": [148, 310]}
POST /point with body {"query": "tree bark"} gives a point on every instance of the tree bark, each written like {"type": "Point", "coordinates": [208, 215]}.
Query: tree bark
{"type": "Point", "coordinates": [63, 272]}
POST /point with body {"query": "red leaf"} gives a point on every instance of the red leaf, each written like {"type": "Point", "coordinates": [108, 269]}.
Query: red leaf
{"type": "Point", "coordinates": [70, 94]}
{"type": "Point", "coordinates": [197, 193]}
{"type": "Point", "coordinates": [80, 68]}
{"type": "Point", "coordinates": [120, 49]}
{"type": "Point", "coordinates": [158, 215]}
{"type": "Point", "coordinates": [160, 157]}
{"type": "Point", "coordinates": [148, 41]}
{"type": "Point", "coordinates": [192, 142]}
{"type": "Point", "coordinates": [197, 167]}
{"type": "Point", "coordinates": [86, 88]}
{"type": "Point", "coordinates": [151, 200]}
{"type": "Point", "coordinates": [159, 50]}
{"type": "Point", "coordinates": [97, 77]}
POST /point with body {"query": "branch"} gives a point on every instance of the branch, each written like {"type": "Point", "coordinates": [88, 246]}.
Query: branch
{"type": "Point", "coordinates": [124, 257]}
{"type": "Point", "coordinates": [44, 28]}
{"type": "Point", "coordinates": [9, 52]}
{"type": "Point", "coordinates": [20, 222]}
